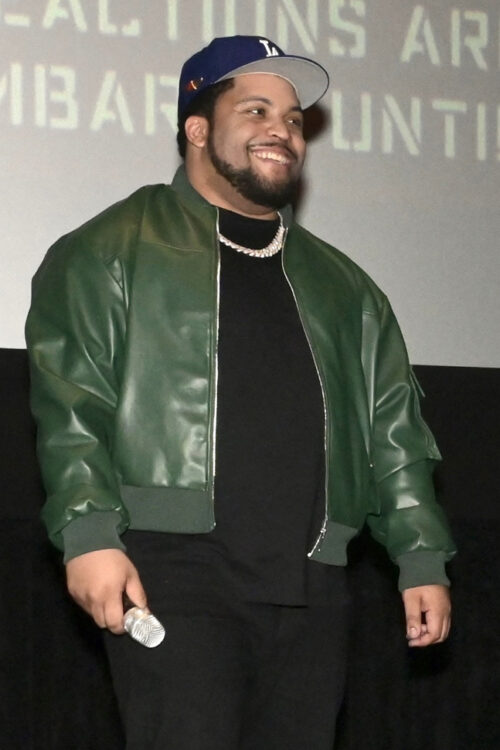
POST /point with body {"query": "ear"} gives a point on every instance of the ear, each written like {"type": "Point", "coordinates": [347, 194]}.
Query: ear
{"type": "Point", "coordinates": [197, 128]}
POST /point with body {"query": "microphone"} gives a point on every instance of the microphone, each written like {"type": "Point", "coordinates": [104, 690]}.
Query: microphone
{"type": "Point", "coordinates": [142, 626]}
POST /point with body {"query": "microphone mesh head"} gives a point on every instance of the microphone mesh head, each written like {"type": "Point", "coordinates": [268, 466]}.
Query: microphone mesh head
{"type": "Point", "coordinates": [143, 627]}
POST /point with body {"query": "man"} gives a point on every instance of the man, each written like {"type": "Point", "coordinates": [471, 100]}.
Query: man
{"type": "Point", "coordinates": [223, 400]}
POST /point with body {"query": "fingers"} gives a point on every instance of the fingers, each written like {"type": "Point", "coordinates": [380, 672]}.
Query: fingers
{"type": "Point", "coordinates": [437, 625]}
{"type": "Point", "coordinates": [97, 580]}
{"type": "Point", "coordinates": [415, 628]}
{"type": "Point", "coordinates": [103, 603]}
{"type": "Point", "coordinates": [106, 611]}
{"type": "Point", "coordinates": [113, 607]}
{"type": "Point", "coordinates": [425, 639]}
{"type": "Point", "coordinates": [135, 591]}
{"type": "Point", "coordinates": [427, 614]}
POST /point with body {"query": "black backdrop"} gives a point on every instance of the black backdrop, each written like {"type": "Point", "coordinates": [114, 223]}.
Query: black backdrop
{"type": "Point", "coordinates": [55, 690]}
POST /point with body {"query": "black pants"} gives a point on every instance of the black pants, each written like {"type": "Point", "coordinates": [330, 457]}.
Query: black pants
{"type": "Point", "coordinates": [232, 675]}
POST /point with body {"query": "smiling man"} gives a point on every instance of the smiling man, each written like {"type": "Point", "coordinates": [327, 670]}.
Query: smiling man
{"type": "Point", "coordinates": [250, 158]}
{"type": "Point", "coordinates": [223, 400]}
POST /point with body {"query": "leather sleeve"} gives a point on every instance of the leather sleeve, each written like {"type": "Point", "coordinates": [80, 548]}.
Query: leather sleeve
{"type": "Point", "coordinates": [409, 522]}
{"type": "Point", "coordinates": [74, 335]}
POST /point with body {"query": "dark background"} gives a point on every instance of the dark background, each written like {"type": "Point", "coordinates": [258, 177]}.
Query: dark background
{"type": "Point", "coordinates": [55, 687]}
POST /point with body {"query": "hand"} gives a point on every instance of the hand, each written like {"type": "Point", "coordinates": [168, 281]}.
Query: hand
{"type": "Point", "coordinates": [434, 603]}
{"type": "Point", "coordinates": [97, 581]}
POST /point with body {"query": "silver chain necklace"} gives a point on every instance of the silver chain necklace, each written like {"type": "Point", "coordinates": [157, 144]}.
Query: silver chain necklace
{"type": "Point", "coordinates": [264, 252]}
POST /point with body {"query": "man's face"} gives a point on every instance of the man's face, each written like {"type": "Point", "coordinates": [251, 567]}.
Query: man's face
{"type": "Point", "coordinates": [256, 142]}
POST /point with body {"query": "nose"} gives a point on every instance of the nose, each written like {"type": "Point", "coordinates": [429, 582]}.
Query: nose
{"type": "Point", "coordinates": [279, 128]}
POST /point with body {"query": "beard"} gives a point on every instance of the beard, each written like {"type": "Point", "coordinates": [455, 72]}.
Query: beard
{"type": "Point", "coordinates": [252, 187]}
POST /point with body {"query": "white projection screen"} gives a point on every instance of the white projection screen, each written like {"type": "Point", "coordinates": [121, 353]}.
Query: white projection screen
{"type": "Point", "coordinates": [403, 177]}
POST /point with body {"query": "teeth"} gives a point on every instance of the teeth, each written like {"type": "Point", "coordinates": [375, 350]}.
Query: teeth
{"type": "Point", "coordinates": [273, 156]}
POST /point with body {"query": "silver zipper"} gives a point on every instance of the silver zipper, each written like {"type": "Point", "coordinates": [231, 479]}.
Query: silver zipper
{"type": "Point", "coordinates": [325, 429]}
{"type": "Point", "coordinates": [216, 368]}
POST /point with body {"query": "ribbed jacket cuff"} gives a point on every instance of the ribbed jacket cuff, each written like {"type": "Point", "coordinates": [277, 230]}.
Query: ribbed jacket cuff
{"type": "Point", "coordinates": [422, 568]}
{"type": "Point", "coordinates": [90, 533]}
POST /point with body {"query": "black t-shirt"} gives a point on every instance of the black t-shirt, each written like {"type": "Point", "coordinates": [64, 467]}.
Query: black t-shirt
{"type": "Point", "coordinates": [269, 483]}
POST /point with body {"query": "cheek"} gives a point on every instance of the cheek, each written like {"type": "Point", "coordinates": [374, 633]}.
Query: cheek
{"type": "Point", "coordinates": [230, 148]}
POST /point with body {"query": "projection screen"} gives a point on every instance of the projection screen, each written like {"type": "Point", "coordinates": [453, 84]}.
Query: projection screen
{"type": "Point", "coordinates": [403, 176]}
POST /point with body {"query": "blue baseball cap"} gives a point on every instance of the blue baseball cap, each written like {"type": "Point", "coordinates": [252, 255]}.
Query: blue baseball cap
{"type": "Point", "coordinates": [230, 56]}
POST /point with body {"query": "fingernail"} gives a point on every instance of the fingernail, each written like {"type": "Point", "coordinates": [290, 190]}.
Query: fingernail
{"type": "Point", "coordinates": [412, 632]}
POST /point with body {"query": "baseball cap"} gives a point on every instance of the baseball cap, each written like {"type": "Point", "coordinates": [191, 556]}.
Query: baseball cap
{"type": "Point", "coordinates": [230, 56]}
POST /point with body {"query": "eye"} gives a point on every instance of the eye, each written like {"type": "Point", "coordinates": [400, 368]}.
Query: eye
{"type": "Point", "coordinates": [259, 111]}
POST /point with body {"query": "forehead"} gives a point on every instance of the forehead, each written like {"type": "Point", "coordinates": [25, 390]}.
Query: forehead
{"type": "Point", "coordinates": [276, 89]}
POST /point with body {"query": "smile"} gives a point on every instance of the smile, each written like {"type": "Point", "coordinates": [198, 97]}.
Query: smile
{"type": "Point", "coordinates": [274, 156]}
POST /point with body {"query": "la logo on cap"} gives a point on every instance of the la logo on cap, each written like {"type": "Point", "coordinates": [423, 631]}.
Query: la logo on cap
{"type": "Point", "coordinates": [271, 51]}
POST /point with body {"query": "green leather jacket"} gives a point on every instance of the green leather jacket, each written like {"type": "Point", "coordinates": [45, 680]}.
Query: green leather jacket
{"type": "Point", "coordinates": [122, 337]}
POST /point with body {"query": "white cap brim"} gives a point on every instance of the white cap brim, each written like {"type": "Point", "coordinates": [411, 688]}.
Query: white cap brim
{"type": "Point", "coordinates": [309, 79]}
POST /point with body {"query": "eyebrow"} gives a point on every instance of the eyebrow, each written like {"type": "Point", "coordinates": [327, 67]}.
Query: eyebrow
{"type": "Point", "coordinates": [265, 100]}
